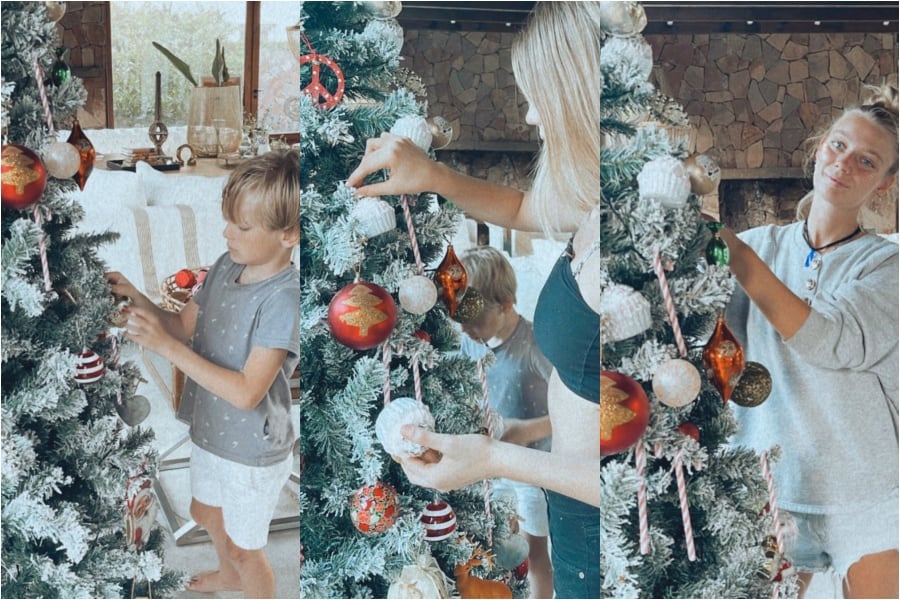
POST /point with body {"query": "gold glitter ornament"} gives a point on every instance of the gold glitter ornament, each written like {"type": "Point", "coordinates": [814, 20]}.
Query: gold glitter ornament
{"type": "Point", "coordinates": [754, 387]}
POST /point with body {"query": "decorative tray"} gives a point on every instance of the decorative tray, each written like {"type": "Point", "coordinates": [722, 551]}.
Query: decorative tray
{"type": "Point", "coordinates": [167, 164]}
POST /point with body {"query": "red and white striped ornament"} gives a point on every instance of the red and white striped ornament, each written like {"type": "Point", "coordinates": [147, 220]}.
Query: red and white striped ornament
{"type": "Point", "coordinates": [439, 521]}
{"type": "Point", "coordinates": [89, 367]}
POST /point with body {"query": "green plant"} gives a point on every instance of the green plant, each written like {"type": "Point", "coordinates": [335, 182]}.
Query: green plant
{"type": "Point", "coordinates": [219, 68]}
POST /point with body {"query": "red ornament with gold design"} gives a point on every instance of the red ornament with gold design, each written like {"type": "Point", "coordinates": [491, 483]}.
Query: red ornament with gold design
{"type": "Point", "coordinates": [624, 412]}
{"type": "Point", "coordinates": [23, 176]}
{"type": "Point", "coordinates": [724, 359]}
{"type": "Point", "coordinates": [362, 315]}
{"type": "Point", "coordinates": [373, 508]}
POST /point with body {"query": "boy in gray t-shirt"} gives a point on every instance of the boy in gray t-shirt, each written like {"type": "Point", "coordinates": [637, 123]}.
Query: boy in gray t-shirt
{"type": "Point", "coordinates": [238, 343]}
{"type": "Point", "coordinates": [517, 389]}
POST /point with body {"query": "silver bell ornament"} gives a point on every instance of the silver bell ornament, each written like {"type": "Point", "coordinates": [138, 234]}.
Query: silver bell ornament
{"type": "Point", "coordinates": [441, 132]}
{"type": "Point", "coordinates": [622, 18]}
{"type": "Point", "coordinates": [704, 174]}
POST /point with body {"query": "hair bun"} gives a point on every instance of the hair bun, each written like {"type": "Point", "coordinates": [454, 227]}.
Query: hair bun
{"type": "Point", "coordinates": [884, 95]}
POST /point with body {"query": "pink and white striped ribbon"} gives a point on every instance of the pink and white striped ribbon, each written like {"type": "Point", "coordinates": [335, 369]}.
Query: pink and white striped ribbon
{"type": "Point", "coordinates": [386, 360]}
{"type": "Point", "coordinates": [670, 305]}
{"type": "Point", "coordinates": [685, 509]}
{"type": "Point", "coordinates": [42, 246]}
{"type": "Point", "coordinates": [643, 524]}
{"type": "Point", "coordinates": [773, 506]}
{"type": "Point", "coordinates": [45, 101]}
{"type": "Point", "coordinates": [417, 379]}
{"type": "Point", "coordinates": [489, 425]}
{"type": "Point", "coordinates": [404, 202]}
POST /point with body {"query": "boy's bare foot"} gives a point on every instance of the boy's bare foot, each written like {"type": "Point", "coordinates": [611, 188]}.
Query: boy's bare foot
{"type": "Point", "coordinates": [212, 581]}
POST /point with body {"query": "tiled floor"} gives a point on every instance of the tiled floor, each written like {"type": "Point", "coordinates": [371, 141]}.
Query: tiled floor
{"type": "Point", "coordinates": [283, 548]}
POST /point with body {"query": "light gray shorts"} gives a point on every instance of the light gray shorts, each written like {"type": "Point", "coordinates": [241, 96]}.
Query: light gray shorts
{"type": "Point", "coordinates": [247, 495]}
{"type": "Point", "coordinates": [531, 505]}
{"type": "Point", "coordinates": [839, 540]}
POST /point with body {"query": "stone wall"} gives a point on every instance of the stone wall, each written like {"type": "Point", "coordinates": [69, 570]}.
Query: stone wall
{"type": "Point", "coordinates": [755, 98]}
{"type": "Point", "coordinates": [84, 30]}
{"type": "Point", "coordinates": [470, 83]}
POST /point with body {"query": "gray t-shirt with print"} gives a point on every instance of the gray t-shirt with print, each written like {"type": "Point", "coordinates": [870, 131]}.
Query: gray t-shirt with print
{"type": "Point", "coordinates": [517, 381]}
{"type": "Point", "coordinates": [233, 319]}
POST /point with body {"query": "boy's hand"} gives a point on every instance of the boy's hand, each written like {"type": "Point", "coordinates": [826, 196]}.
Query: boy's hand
{"type": "Point", "coordinates": [121, 286]}
{"type": "Point", "coordinates": [145, 328]}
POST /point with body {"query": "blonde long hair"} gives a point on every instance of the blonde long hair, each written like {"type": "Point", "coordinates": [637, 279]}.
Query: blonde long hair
{"type": "Point", "coordinates": [556, 62]}
{"type": "Point", "coordinates": [881, 108]}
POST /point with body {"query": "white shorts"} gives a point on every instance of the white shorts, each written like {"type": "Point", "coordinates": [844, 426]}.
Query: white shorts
{"type": "Point", "coordinates": [839, 540]}
{"type": "Point", "coordinates": [531, 505]}
{"type": "Point", "coordinates": [247, 495]}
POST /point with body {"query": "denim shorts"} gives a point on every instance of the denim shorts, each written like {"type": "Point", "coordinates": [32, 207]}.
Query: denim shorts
{"type": "Point", "coordinates": [838, 540]}
{"type": "Point", "coordinates": [575, 547]}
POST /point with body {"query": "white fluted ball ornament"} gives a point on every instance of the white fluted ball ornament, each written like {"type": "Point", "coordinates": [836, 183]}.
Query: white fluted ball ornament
{"type": "Point", "coordinates": [418, 294]}
{"type": "Point", "coordinates": [415, 128]}
{"type": "Point", "coordinates": [400, 412]}
{"type": "Point", "coordinates": [626, 313]}
{"type": "Point", "coordinates": [373, 216]}
{"type": "Point", "coordinates": [676, 383]}
{"type": "Point", "coordinates": [665, 180]}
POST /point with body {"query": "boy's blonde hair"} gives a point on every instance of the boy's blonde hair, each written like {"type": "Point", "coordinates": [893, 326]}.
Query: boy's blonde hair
{"type": "Point", "coordinates": [881, 108]}
{"type": "Point", "coordinates": [273, 180]}
{"type": "Point", "coordinates": [490, 273]}
{"type": "Point", "coordinates": [556, 62]}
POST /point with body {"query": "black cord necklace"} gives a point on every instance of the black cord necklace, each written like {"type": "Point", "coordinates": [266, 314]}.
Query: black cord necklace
{"type": "Point", "coordinates": [813, 250]}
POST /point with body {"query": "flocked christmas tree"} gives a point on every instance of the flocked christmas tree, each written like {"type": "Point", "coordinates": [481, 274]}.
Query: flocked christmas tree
{"type": "Point", "coordinates": [683, 514]}
{"type": "Point", "coordinates": [363, 266]}
{"type": "Point", "coordinates": [68, 460]}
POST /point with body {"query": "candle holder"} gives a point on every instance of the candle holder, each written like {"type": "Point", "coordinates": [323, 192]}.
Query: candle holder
{"type": "Point", "coordinates": [158, 131]}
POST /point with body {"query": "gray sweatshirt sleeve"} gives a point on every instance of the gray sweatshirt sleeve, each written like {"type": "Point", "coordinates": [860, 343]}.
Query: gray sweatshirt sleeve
{"type": "Point", "coordinates": [854, 327]}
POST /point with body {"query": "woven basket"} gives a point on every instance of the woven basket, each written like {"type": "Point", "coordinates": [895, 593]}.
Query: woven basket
{"type": "Point", "coordinates": [173, 297]}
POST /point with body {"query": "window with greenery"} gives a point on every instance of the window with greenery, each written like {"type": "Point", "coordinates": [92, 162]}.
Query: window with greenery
{"type": "Point", "coordinates": [189, 30]}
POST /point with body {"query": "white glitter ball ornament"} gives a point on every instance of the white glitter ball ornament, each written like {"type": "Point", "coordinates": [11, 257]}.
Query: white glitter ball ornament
{"type": "Point", "coordinates": [676, 383]}
{"type": "Point", "coordinates": [62, 160]}
{"type": "Point", "coordinates": [418, 294]}
{"type": "Point", "coordinates": [626, 313]}
{"type": "Point", "coordinates": [665, 180]}
{"type": "Point", "coordinates": [415, 128]}
{"type": "Point", "coordinates": [395, 415]}
{"type": "Point", "coordinates": [373, 216]}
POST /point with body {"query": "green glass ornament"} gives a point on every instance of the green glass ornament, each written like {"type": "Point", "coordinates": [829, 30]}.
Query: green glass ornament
{"type": "Point", "coordinates": [717, 250]}
{"type": "Point", "coordinates": [60, 71]}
